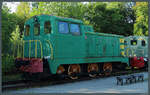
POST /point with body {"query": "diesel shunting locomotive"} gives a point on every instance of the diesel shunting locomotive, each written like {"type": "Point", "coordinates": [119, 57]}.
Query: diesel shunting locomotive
{"type": "Point", "coordinates": [65, 46]}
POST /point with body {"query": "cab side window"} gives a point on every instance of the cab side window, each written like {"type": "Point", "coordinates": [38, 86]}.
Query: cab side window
{"type": "Point", "coordinates": [47, 27]}
{"type": "Point", "coordinates": [75, 29]}
{"type": "Point", "coordinates": [133, 42]}
{"type": "Point", "coordinates": [63, 27]}
{"type": "Point", "coordinates": [143, 43]}
{"type": "Point", "coordinates": [36, 29]}
{"type": "Point", "coordinates": [125, 43]}
{"type": "Point", "coordinates": [27, 30]}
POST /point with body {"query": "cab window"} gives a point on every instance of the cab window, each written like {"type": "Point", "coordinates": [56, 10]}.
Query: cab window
{"type": "Point", "coordinates": [125, 43]}
{"type": "Point", "coordinates": [36, 29]}
{"type": "Point", "coordinates": [143, 43]}
{"type": "Point", "coordinates": [133, 42]}
{"type": "Point", "coordinates": [47, 27]}
{"type": "Point", "coordinates": [63, 27]}
{"type": "Point", "coordinates": [27, 30]}
{"type": "Point", "coordinates": [75, 29]}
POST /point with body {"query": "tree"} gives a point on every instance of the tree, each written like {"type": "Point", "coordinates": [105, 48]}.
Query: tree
{"type": "Point", "coordinates": [16, 40]}
{"type": "Point", "coordinates": [141, 24]}
{"type": "Point", "coordinates": [115, 18]}
{"type": "Point", "coordinates": [23, 13]}
{"type": "Point", "coordinates": [9, 22]}
{"type": "Point", "coordinates": [63, 9]}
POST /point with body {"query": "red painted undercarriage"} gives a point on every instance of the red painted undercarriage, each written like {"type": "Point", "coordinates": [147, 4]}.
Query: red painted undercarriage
{"type": "Point", "coordinates": [35, 65]}
{"type": "Point", "coordinates": [32, 65]}
{"type": "Point", "coordinates": [137, 62]}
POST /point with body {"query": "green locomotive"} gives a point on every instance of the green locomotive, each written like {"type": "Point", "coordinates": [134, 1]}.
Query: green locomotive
{"type": "Point", "coordinates": [64, 46]}
{"type": "Point", "coordinates": [136, 47]}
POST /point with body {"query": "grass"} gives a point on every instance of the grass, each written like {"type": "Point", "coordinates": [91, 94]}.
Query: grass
{"type": "Point", "coordinates": [8, 65]}
{"type": "Point", "coordinates": [9, 72]}
{"type": "Point", "coordinates": [14, 77]}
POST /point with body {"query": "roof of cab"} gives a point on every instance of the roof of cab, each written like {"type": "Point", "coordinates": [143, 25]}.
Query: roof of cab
{"type": "Point", "coordinates": [136, 37]}
{"type": "Point", "coordinates": [55, 17]}
{"type": "Point", "coordinates": [104, 34]}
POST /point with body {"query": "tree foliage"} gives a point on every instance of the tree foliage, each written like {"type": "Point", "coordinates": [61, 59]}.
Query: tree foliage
{"type": "Point", "coordinates": [22, 13]}
{"type": "Point", "coordinates": [118, 17]}
{"type": "Point", "coordinates": [141, 24]}
{"type": "Point", "coordinates": [113, 18]}
{"type": "Point", "coordinates": [9, 22]}
{"type": "Point", "coordinates": [63, 9]}
{"type": "Point", "coordinates": [15, 36]}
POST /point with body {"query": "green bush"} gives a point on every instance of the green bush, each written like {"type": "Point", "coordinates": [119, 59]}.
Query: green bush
{"type": "Point", "coordinates": [8, 65]}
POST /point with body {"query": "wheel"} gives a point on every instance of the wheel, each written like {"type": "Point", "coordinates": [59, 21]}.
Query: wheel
{"type": "Point", "coordinates": [73, 70]}
{"type": "Point", "coordinates": [107, 67]}
{"type": "Point", "coordinates": [60, 70]}
{"type": "Point", "coordinates": [92, 68]}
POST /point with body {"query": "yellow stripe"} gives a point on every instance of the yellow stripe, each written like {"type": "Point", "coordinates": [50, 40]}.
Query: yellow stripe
{"type": "Point", "coordinates": [29, 48]}
{"type": "Point", "coordinates": [128, 51]}
{"type": "Point", "coordinates": [121, 40]}
{"type": "Point", "coordinates": [50, 44]}
{"type": "Point", "coordinates": [36, 49]}
{"type": "Point", "coordinates": [41, 49]}
{"type": "Point", "coordinates": [36, 41]}
{"type": "Point", "coordinates": [122, 53]}
{"type": "Point", "coordinates": [121, 46]}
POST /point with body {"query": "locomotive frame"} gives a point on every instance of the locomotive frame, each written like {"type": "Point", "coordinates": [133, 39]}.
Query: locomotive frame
{"type": "Point", "coordinates": [56, 45]}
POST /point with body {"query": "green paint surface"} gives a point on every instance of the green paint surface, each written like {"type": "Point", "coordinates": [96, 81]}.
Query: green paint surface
{"type": "Point", "coordinates": [138, 49]}
{"type": "Point", "coordinates": [89, 47]}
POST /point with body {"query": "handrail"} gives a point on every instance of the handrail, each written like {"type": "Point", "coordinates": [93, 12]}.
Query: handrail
{"type": "Point", "coordinates": [29, 48]}
{"type": "Point", "coordinates": [35, 49]}
{"type": "Point", "coordinates": [30, 41]}
{"type": "Point", "coordinates": [36, 41]}
{"type": "Point", "coordinates": [127, 51]}
{"type": "Point", "coordinates": [50, 44]}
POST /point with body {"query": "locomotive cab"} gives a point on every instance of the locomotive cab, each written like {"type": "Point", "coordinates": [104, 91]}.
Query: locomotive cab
{"type": "Point", "coordinates": [36, 47]}
{"type": "Point", "coordinates": [38, 31]}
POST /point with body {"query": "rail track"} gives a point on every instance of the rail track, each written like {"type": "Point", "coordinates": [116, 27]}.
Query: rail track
{"type": "Point", "coordinates": [12, 85]}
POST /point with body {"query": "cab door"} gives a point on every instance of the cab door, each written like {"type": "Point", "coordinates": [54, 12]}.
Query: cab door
{"type": "Point", "coordinates": [41, 38]}
{"type": "Point", "coordinates": [28, 36]}
{"type": "Point", "coordinates": [47, 37]}
{"type": "Point", "coordinates": [35, 43]}
{"type": "Point", "coordinates": [69, 40]}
